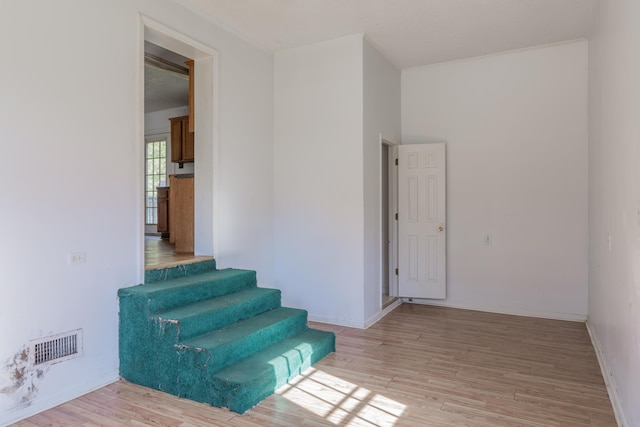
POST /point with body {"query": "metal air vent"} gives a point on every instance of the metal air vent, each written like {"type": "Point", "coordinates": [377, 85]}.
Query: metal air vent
{"type": "Point", "coordinates": [55, 348]}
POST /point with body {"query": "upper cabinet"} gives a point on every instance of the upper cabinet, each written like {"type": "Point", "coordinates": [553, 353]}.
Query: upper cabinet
{"type": "Point", "coordinates": [182, 149]}
{"type": "Point", "coordinates": [182, 136]}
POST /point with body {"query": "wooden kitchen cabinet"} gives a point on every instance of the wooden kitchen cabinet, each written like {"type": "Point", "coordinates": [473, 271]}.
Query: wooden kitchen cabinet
{"type": "Point", "coordinates": [181, 212]}
{"type": "Point", "coordinates": [163, 211]}
{"type": "Point", "coordinates": [182, 149]}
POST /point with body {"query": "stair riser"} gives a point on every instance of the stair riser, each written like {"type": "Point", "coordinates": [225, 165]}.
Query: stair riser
{"type": "Point", "coordinates": [220, 318]}
{"type": "Point", "coordinates": [163, 274]}
{"type": "Point", "coordinates": [199, 291]}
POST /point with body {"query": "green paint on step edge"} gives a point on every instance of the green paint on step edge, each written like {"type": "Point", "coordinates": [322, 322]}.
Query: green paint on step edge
{"type": "Point", "coordinates": [162, 274]}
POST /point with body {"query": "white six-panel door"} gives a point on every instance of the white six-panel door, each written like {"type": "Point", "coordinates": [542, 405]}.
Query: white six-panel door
{"type": "Point", "coordinates": [421, 221]}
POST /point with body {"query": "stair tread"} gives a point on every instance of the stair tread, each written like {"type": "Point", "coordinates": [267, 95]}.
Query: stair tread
{"type": "Point", "coordinates": [242, 385]}
{"type": "Point", "coordinates": [242, 328]}
{"type": "Point", "coordinates": [217, 303]}
{"type": "Point", "coordinates": [263, 361]}
{"type": "Point", "coordinates": [179, 282]}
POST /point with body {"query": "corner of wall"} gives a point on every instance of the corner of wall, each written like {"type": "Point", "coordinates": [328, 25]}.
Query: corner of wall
{"type": "Point", "coordinates": [608, 377]}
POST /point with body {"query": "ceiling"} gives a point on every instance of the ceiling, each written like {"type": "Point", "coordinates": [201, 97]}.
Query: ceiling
{"type": "Point", "coordinates": [408, 32]}
{"type": "Point", "coordinates": [164, 89]}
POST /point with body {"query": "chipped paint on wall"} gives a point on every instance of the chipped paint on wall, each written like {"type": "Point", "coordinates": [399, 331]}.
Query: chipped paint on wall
{"type": "Point", "coordinates": [18, 380]}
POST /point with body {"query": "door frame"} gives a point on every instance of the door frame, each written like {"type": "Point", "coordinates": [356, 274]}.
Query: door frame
{"type": "Point", "coordinates": [392, 205]}
{"type": "Point", "coordinates": [206, 167]}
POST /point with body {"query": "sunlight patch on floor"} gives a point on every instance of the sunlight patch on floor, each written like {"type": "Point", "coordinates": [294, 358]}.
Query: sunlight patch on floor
{"type": "Point", "coordinates": [341, 402]}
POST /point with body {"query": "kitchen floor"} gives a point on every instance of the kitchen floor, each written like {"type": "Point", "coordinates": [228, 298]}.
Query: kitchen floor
{"type": "Point", "coordinates": [159, 253]}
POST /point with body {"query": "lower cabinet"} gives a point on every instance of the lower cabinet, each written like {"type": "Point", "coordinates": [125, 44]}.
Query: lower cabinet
{"type": "Point", "coordinates": [163, 211]}
{"type": "Point", "coordinates": [181, 212]}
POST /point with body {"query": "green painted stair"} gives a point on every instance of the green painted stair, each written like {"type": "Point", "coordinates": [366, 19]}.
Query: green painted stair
{"type": "Point", "coordinates": [256, 377]}
{"type": "Point", "coordinates": [213, 336]}
{"type": "Point", "coordinates": [203, 316]}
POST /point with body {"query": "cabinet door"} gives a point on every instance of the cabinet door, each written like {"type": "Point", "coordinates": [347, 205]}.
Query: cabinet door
{"type": "Point", "coordinates": [172, 200]}
{"type": "Point", "coordinates": [187, 142]}
{"type": "Point", "coordinates": [176, 140]}
{"type": "Point", "coordinates": [163, 210]}
{"type": "Point", "coordinates": [181, 214]}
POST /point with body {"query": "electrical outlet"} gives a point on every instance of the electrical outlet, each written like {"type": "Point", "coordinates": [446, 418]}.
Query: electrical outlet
{"type": "Point", "coordinates": [77, 257]}
{"type": "Point", "coordinates": [488, 240]}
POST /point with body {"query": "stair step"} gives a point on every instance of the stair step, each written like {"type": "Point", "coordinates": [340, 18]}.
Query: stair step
{"type": "Point", "coordinates": [190, 289]}
{"type": "Point", "coordinates": [241, 386]}
{"type": "Point", "coordinates": [223, 347]}
{"type": "Point", "coordinates": [166, 273]}
{"type": "Point", "coordinates": [213, 336]}
{"type": "Point", "coordinates": [203, 316]}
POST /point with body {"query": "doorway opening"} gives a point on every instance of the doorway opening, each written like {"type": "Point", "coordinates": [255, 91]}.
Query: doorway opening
{"type": "Point", "coordinates": [389, 223]}
{"type": "Point", "coordinates": [178, 106]}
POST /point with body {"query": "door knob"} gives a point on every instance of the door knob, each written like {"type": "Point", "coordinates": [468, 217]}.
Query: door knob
{"type": "Point", "coordinates": [440, 228]}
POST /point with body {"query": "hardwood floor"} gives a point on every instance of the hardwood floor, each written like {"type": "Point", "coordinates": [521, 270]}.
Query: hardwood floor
{"type": "Point", "coordinates": [159, 253]}
{"type": "Point", "coordinates": [419, 366]}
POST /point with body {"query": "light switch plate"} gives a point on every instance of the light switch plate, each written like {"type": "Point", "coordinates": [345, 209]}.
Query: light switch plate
{"type": "Point", "coordinates": [77, 258]}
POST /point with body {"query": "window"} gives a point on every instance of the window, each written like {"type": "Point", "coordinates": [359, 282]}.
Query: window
{"type": "Point", "coordinates": [156, 175]}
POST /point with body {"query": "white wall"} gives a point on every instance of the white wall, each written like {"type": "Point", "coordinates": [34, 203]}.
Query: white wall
{"type": "Point", "coordinates": [318, 179]}
{"type": "Point", "coordinates": [71, 125]}
{"type": "Point", "coordinates": [515, 125]}
{"type": "Point", "coordinates": [243, 186]}
{"type": "Point", "coordinates": [381, 116]}
{"type": "Point", "coordinates": [614, 190]}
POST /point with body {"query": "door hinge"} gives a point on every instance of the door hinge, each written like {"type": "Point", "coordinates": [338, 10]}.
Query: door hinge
{"type": "Point", "coordinates": [396, 162]}
{"type": "Point", "coordinates": [396, 271]}
{"type": "Point", "coordinates": [396, 217]}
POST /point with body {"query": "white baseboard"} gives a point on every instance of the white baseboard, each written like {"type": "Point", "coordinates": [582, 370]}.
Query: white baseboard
{"type": "Point", "coordinates": [63, 396]}
{"type": "Point", "coordinates": [609, 379]}
{"type": "Point", "coordinates": [369, 322]}
{"type": "Point", "coordinates": [332, 321]}
{"type": "Point", "coordinates": [379, 315]}
{"type": "Point", "coordinates": [498, 310]}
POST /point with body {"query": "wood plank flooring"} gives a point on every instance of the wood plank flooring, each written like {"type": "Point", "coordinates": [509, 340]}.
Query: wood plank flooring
{"type": "Point", "coordinates": [159, 253]}
{"type": "Point", "coordinates": [419, 366]}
